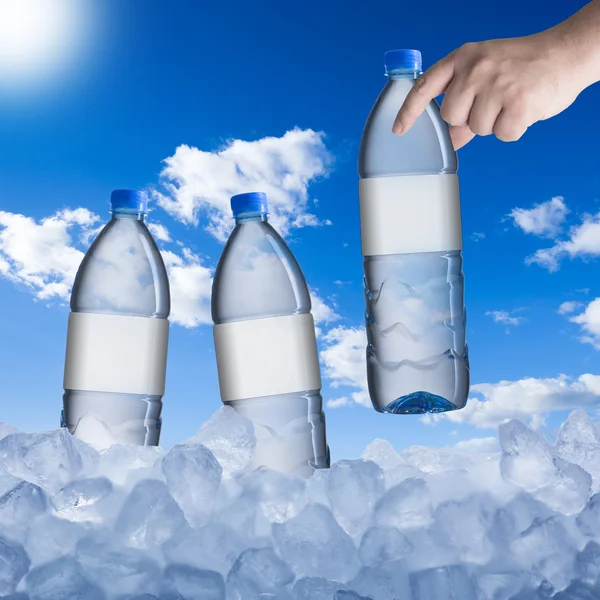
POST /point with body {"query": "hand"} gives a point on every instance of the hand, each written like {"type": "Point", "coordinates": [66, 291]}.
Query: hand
{"type": "Point", "coordinates": [498, 87]}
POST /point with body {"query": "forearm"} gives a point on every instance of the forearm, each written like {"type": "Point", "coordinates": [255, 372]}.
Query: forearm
{"type": "Point", "coordinates": [579, 38]}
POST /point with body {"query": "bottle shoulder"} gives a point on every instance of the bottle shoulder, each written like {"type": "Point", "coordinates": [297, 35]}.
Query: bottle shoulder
{"type": "Point", "coordinates": [257, 277]}
{"type": "Point", "coordinates": [425, 149]}
{"type": "Point", "coordinates": [122, 273]}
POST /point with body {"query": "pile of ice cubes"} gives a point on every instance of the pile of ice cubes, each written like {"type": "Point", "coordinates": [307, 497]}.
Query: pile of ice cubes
{"type": "Point", "coordinates": [194, 523]}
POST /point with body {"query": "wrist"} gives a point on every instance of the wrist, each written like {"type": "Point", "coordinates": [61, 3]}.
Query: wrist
{"type": "Point", "coordinates": [575, 45]}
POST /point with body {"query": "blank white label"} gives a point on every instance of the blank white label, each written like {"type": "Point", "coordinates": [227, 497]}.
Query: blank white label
{"type": "Point", "coordinates": [265, 357]}
{"type": "Point", "coordinates": [114, 353]}
{"type": "Point", "coordinates": [413, 213]}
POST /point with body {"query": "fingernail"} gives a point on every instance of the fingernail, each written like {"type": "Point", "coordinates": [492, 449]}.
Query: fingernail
{"type": "Point", "coordinates": [397, 129]}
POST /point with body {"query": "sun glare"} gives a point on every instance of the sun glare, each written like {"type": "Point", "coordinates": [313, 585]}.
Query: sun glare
{"type": "Point", "coordinates": [36, 36]}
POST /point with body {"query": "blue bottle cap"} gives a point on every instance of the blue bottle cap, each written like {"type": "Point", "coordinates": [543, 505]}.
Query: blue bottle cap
{"type": "Point", "coordinates": [129, 200]}
{"type": "Point", "coordinates": [402, 60]}
{"type": "Point", "coordinates": [250, 202]}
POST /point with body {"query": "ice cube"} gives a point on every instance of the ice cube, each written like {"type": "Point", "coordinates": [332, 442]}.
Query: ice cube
{"type": "Point", "coordinates": [214, 546]}
{"type": "Point", "coordinates": [280, 496]}
{"type": "Point", "coordinates": [405, 506]}
{"type": "Point", "coordinates": [315, 545]}
{"type": "Point", "coordinates": [14, 565]}
{"type": "Point", "coordinates": [6, 429]}
{"type": "Point", "coordinates": [443, 583]}
{"type": "Point", "coordinates": [517, 515]}
{"type": "Point", "coordinates": [546, 548]}
{"type": "Point", "coordinates": [587, 564]}
{"type": "Point", "coordinates": [78, 501]}
{"type": "Point", "coordinates": [119, 570]}
{"type": "Point", "coordinates": [230, 437]}
{"type": "Point", "coordinates": [182, 582]}
{"type": "Point", "coordinates": [20, 506]}
{"type": "Point", "coordinates": [578, 591]}
{"type": "Point", "coordinates": [466, 524]}
{"type": "Point", "coordinates": [388, 582]}
{"type": "Point", "coordinates": [532, 594]}
{"type": "Point", "coordinates": [499, 585]}
{"type": "Point", "coordinates": [578, 442]}
{"type": "Point", "coordinates": [316, 588]}
{"type": "Point", "coordinates": [246, 517]}
{"type": "Point", "coordinates": [258, 573]}
{"type": "Point", "coordinates": [7, 481]}
{"type": "Point", "coordinates": [382, 453]}
{"type": "Point", "coordinates": [150, 515]}
{"type": "Point", "coordinates": [52, 537]}
{"type": "Point", "coordinates": [530, 462]}
{"type": "Point", "coordinates": [127, 464]}
{"type": "Point", "coordinates": [380, 545]}
{"type": "Point", "coordinates": [61, 579]}
{"type": "Point", "coordinates": [193, 478]}
{"type": "Point", "coordinates": [348, 595]}
{"type": "Point", "coordinates": [439, 460]}
{"type": "Point", "coordinates": [317, 488]}
{"type": "Point", "coordinates": [588, 520]}
{"type": "Point", "coordinates": [49, 459]}
{"type": "Point", "coordinates": [527, 458]}
{"type": "Point", "coordinates": [354, 488]}
{"type": "Point", "coordinates": [431, 548]}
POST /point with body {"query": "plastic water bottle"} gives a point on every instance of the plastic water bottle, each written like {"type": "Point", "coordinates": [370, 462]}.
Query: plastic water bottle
{"type": "Point", "coordinates": [265, 343]}
{"type": "Point", "coordinates": [118, 331]}
{"type": "Point", "coordinates": [417, 356]}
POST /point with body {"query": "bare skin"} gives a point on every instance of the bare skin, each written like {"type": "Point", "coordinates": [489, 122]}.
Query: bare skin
{"type": "Point", "coordinates": [502, 87]}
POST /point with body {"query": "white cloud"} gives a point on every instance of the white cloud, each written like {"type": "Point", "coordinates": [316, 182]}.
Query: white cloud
{"type": "Point", "coordinates": [197, 183]}
{"type": "Point", "coordinates": [569, 307]}
{"type": "Point", "coordinates": [477, 236]}
{"type": "Point", "coordinates": [526, 399]}
{"type": "Point", "coordinates": [344, 363]}
{"type": "Point", "coordinates": [321, 311]}
{"type": "Point", "coordinates": [543, 219]}
{"type": "Point", "coordinates": [160, 232]}
{"type": "Point", "coordinates": [505, 318]}
{"type": "Point", "coordinates": [338, 402]}
{"type": "Point", "coordinates": [583, 242]}
{"type": "Point", "coordinates": [191, 286]}
{"type": "Point", "coordinates": [589, 321]}
{"type": "Point", "coordinates": [44, 255]}
{"type": "Point", "coordinates": [484, 445]}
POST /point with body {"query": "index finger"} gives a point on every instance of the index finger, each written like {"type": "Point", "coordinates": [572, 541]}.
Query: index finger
{"type": "Point", "coordinates": [430, 84]}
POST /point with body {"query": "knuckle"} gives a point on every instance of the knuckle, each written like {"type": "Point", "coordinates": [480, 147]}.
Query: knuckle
{"type": "Point", "coordinates": [447, 112]}
{"type": "Point", "coordinates": [509, 132]}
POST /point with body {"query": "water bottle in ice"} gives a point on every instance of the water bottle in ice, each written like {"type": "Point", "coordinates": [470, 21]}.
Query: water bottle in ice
{"type": "Point", "coordinates": [265, 343]}
{"type": "Point", "coordinates": [417, 356]}
{"type": "Point", "coordinates": [118, 331]}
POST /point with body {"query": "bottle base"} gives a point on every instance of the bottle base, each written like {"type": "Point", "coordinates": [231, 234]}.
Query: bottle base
{"type": "Point", "coordinates": [418, 403]}
{"type": "Point", "coordinates": [102, 419]}
{"type": "Point", "coordinates": [290, 432]}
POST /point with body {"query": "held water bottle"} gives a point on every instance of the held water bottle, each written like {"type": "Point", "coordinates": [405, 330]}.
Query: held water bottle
{"type": "Point", "coordinates": [417, 356]}
{"type": "Point", "coordinates": [265, 343]}
{"type": "Point", "coordinates": [117, 339]}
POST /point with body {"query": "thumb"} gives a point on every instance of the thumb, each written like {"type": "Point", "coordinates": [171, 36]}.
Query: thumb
{"type": "Point", "coordinates": [461, 135]}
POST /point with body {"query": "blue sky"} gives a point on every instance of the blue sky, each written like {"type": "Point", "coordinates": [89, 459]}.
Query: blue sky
{"type": "Point", "coordinates": [154, 94]}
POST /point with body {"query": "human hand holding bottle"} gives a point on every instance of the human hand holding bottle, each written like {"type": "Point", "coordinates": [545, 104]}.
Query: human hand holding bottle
{"type": "Point", "coordinates": [504, 86]}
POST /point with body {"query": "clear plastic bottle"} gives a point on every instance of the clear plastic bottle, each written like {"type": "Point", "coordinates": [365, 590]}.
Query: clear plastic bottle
{"type": "Point", "coordinates": [417, 355]}
{"type": "Point", "coordinates": [118, 333]}
{"type": "Point", "coordinates": [265, 343]}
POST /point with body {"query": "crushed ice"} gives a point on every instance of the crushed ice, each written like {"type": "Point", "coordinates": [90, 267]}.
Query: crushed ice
{"type": "Point", "coordinates": [194, 523]}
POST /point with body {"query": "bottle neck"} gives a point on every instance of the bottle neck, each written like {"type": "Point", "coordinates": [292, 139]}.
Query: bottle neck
{"type": "Point", "coordinates": [404, 74]}
{"type": "Point", "coordinates": [132, 215]}
{"type": "Point", "coordinates": [251, 218]}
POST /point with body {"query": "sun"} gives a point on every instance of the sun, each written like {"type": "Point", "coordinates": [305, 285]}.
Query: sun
{"type": "Point", "coordinates": [35, 36]}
